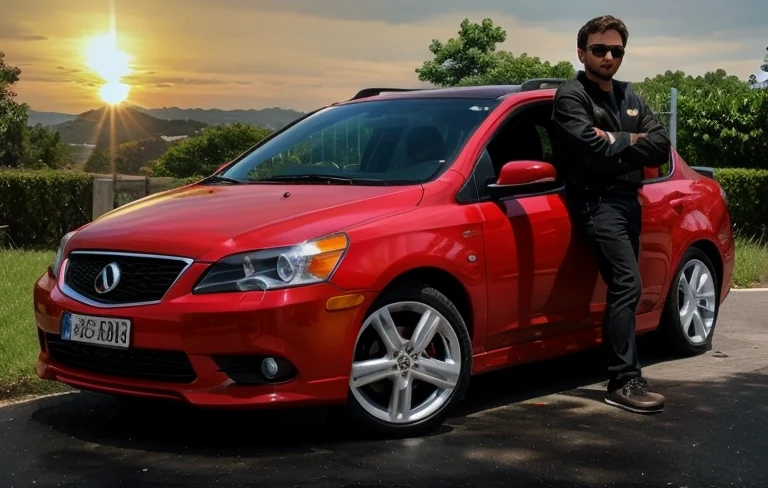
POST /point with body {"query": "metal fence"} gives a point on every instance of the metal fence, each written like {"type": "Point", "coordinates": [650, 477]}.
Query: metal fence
{"type": "Point", "coordinates": [112, 192]}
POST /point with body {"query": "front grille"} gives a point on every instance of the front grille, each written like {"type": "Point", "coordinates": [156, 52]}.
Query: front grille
{"type": "Point", "coordinates": [142, 278]}
{"type": "Point", "coordinates": [157, 365]}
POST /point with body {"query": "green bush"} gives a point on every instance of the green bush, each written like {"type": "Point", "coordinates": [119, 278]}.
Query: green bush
{"type": "Point", "coordinates": [721, 121]}
{"type": "Point", "coordinates": [41, 206]}
{"type": "Point", "coordinates": [747, 191]}
{"type": "Point", "coordinates": [202, 154]}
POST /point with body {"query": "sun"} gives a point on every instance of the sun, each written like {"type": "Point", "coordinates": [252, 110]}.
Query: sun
{"type": "Point", "coordinates": [114, 93]}
{"type": "Point", "coordinates": [109, 63]}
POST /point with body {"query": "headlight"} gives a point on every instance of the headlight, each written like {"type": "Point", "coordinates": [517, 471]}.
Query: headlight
{"type": "Point", "coordinates": [56, 267]}
{"type": "Point", "coordinates": [303, 264]}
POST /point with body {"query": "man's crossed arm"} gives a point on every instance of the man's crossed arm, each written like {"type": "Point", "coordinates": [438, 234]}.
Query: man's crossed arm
{"type": "Point", "coordinates": [609, 152]}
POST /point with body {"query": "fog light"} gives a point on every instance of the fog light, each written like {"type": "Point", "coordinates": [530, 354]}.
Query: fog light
{"type": "Point", "coordinates": [269, 368]}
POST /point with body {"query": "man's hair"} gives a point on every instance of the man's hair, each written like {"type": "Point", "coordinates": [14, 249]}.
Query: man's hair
{"type": "Point", "coordinates": [599, 25]}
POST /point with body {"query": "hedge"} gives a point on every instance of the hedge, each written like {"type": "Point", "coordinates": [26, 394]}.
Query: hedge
{"type": "Point", "coordinates": [747, 191]}
{"type": "Point", "coordinates": [39, 207]}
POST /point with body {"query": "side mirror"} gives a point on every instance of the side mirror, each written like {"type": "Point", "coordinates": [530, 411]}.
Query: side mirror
{"type": "Point", "coordinates": [523, 177]}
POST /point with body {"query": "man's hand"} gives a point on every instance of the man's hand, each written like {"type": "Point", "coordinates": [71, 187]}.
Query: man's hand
{"type": "Point", "coordinates": [605, 135]}
{"type": "Point", "coordinates": [633, 137]}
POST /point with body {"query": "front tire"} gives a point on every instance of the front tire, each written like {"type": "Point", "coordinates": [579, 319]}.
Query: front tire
{"type": "Point", "coordinates": [411, 363]}
{"type": "Point", "coordinates": [690, 314]}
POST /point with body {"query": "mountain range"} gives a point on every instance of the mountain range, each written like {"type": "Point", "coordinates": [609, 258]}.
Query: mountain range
{"type": "Point", "coordinates": [271, 118]}
{"type": "Point", "coordinates": [125, 124]}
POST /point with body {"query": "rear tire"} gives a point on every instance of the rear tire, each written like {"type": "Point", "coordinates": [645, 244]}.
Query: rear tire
{"type": "Point", "coordinates": [411, 363]}
{"type": "Point", "coordinates": [691, 310]}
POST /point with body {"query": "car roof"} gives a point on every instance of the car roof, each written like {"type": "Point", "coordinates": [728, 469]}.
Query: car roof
{"type": "Point", "coordinates": [491, 92]}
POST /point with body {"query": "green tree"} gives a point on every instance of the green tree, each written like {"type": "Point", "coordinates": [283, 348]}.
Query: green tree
{"type": "Point", "coordinates": [472, 59]}
{"type": "Point", "coordinates": [511, 69]}
{"type": "Point", "coordinates": [471, 54]}
{"type": "Point", "coordinates": [98, 161]}
{"type": "Point", "coordinates": [13, 116]}
{"type": "Point", "coordinates": [721, 121]}
{"type": "Point", "coordinates": [44, 148]}
{"type": "Point", "coordinates": [201, 155]}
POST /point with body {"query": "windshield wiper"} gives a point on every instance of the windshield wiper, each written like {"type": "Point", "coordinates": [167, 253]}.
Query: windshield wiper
{"type": "Point", "coordinates": [326, 178]}
{"type": "Point", "coordinates": [223, 179]}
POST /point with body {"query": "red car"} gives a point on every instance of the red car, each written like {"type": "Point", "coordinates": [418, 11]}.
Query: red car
{"type": "Point", "coordinates": [373, 255]}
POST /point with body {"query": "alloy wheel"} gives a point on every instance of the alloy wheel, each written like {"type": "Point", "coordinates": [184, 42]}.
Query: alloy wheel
{"type": "Point", "coordinates": [697, 301]}
{"type": "Point", "coordinates": [407, 363]}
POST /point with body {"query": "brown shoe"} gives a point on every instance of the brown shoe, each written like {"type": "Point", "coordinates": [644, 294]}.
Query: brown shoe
{"type": "Point", "coordinates": [635, 397]}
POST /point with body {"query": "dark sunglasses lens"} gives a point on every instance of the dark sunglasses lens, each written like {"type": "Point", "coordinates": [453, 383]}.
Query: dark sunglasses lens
{"type": "Point", "coordinates": [601, 50]}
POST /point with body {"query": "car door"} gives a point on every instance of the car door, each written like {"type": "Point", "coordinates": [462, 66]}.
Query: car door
{"type": "Point", "coordinates": [541, 281]}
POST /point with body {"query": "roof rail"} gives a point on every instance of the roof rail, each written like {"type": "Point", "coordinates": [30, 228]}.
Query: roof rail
{"type": "Point", "coordinates": [372, 92]}
{"type": "Point", "coordinates": [541, 83]}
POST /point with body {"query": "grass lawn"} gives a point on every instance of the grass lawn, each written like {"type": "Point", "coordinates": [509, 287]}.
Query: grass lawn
{"type": "Point", "coordinates": [751, 264]}
{"type": "Point", "coordinates": [18, 336]}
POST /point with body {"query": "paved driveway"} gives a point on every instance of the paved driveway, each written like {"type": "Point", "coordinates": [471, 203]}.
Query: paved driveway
{"type": "Point", "coordinates": [539, 426]}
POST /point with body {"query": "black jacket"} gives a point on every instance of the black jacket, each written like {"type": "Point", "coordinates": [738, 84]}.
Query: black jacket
{"type": "Point", "coordinates": [591, 163]}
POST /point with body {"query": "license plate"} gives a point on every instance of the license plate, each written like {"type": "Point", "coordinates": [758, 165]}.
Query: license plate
{"type": "Point", "coordinates": [102, 331]}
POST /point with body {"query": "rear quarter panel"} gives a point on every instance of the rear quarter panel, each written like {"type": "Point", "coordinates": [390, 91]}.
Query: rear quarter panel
{"type": "Point", "coordinates": [686, 209]}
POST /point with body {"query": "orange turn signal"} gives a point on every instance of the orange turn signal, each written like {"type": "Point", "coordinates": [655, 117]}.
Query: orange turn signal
{"type": "Point", "coordinates": [344, 302]}
{"type": "Point", "coordinates": [328, 252]}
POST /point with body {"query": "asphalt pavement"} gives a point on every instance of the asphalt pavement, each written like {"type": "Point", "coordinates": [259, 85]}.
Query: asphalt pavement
{"type": "Point", "coordinates": [541, 425]}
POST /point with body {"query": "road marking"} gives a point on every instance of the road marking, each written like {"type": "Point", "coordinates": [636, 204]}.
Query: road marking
{"type": "Point", "coordinates": [749, 289]}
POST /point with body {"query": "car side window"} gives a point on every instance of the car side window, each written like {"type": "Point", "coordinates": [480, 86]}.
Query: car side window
{"type": "Point", "coordinates": [524, 136]}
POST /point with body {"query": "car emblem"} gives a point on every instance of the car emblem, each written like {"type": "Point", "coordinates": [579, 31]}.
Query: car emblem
{"type": "Point", "coordinates": [108, 278]}
{"type": "Point", "coordinates": [632, 112]}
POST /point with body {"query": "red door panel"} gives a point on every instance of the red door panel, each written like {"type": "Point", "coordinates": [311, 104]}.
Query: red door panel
{"type": "Point", "coordinates": [541, 280]}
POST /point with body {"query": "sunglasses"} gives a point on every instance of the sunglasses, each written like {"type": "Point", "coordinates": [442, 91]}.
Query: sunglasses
{"type": "Point", "coordinates": [601, 50]}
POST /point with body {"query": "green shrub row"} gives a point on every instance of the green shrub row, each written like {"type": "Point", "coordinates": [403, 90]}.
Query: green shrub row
{"type": "Point", "coordinates": [39, 207]}
{"type": "Point", "coordinates": [747, 192]}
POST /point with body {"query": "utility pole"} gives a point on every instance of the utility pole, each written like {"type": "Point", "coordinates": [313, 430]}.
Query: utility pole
{"type": "Point", "coordinates": [673, 117]}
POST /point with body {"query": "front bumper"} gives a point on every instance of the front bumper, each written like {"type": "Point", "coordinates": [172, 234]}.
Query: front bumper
{"type": "Point", "coordinates": [207, 349]}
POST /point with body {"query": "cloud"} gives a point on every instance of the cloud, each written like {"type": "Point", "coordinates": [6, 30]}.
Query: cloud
{"type": "Point", "coordinates": [699, 17]}
{"type": "Point", "coordinates": [151, 78]}
{"type": "Point", "coordinates": [302, 54]}
{"type": "Point", "coordinates": [12, 31]}
{"type": "Point", "coordinates": [62, 75]}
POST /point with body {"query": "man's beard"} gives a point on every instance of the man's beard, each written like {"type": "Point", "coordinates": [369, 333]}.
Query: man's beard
{"type": "Point", "coordinates": [598, 74]}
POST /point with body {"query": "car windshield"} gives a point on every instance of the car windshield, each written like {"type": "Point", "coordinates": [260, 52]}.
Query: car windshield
{"type": "Point", "coordinates": [384, 142]}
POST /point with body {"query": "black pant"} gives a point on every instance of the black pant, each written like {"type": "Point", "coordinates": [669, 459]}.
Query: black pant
{"type": "Point", "coordinates": [611, 227]}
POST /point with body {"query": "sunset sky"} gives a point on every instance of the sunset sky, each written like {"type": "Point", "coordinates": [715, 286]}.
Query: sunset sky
{"type": "Point", "coordinates": [304, 53]}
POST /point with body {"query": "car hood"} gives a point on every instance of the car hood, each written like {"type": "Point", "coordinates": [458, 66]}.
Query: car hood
{"type": "Point", "coordinates": [206, 222]}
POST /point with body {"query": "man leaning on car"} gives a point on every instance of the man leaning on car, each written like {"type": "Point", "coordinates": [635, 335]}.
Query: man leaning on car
{"type": "Point", "coordinates": [607, 135]}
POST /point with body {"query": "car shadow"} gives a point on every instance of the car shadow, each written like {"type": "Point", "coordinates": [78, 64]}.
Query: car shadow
{"type": "Point", "coordinates": [712, 434]}
{"type": "Point", "coordinates": [170, 427]}
{"type": "Point", "coordinates": [534, 380]}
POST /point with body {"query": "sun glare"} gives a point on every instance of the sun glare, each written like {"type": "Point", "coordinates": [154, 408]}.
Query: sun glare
{"type": "Point", "coordinates": [111, 64]}
{"type": "Point", "coordinates": [114, 92]}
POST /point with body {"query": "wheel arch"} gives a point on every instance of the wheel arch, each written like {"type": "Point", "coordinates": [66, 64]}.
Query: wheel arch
{"type": "Point", "coordinates": [710, 249]}
{"type": "Point", "coordinates": [446, 283]}
{"type": "Point", "coordinates": [713, 253]}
